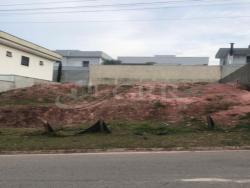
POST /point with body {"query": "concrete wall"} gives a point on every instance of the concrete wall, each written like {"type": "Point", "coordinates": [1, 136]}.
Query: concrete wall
{"type": "Point", "coordinates": [241, 75]}
{"type": "Point", "coordinates": [9, 82]}
{"type": "Point", "coordinates": [117, 74]}
{"type": "Point", "coordinates": [77, 75]}
{"type": "Point", "coordinates": [5, 86]}
{"type": "Point", "coordinates": [12, 65]}
{"type": "Point", "coordinates": [228, 69]}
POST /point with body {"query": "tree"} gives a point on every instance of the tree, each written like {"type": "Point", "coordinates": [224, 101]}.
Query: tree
{"type": "Point", "coordinates": [112, 62]}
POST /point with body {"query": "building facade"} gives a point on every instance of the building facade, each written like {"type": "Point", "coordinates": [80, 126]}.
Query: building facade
{"type": "Point", "coordinates": [233, 56]}
{"type": "Point", "coordinates": [22, 58]}
{"type": "Point", "coordinates": [77, 58]}
{"type": "Point", "coordinates": [76, 64]}
{"type": "Point", "coordinates": [165, 60]}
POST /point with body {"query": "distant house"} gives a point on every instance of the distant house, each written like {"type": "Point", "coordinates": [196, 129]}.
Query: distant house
{"type": "Point", "coordinates": [75, 65]}
{"type": "Point", "coordinates": [233, 56]}
{"type": "Point", "coordinates": [77, 58]}
{"type": "Point", "coordinates": [165, 60]}
{"type": "Point", "coordinates": [19, 57]}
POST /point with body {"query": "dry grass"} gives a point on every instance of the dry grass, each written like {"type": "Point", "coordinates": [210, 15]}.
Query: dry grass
{"type": "Point", "coordinates": [126, 135]}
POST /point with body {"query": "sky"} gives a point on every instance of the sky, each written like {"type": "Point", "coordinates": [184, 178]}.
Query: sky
{"type": "Point", "coordinates": [166, 27]}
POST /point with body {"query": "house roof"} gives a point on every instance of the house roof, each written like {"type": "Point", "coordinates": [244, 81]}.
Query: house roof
{"type": "Point", "coordinates": [26, 46]}
{"type": "Point", "coordinates": [86, 54]}
{"type": "Point", "coordinates": [223, 52]}
{"type": "Point", "coordinates": [165, 60]}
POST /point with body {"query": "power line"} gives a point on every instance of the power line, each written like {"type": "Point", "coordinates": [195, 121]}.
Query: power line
{"type": "Point", "coordinates": [46, 3]}
{"type": "Point", "coordinates": [111, 21]}
{"type": "Point", "coordinates": [102, 5]}
{"type": "Point", "coordinates": [66, 1]}
{"type": "Point", "coordinates": [124, 9]}
{"type": "Point", "coordinates": [97, 6]}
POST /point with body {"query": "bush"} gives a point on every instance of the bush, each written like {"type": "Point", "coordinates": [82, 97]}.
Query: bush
{"type": "Point", "coordinates": [112, 62]}
{"type": "Point", "coordinates": [158, 104]}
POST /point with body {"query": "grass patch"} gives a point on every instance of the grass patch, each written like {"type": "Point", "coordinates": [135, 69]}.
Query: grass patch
{"type": "Point", "coordinates": [153, 130]}
{"type": "Point", "coordinates": [158, 105]}
{"type": "Point", "coordinates": [241, 128]}
{"type": "Point", "coordinates": [126, 135]}
{"type": "Point", "coordinates": [245, 117]}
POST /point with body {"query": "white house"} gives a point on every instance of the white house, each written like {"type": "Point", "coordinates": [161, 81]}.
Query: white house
{"type": "Point", "coordinates": [19, 57]}
{"type": "Point", "coordinates": [77, 58]}
{"type": "Point", "coordinates": [233, 56]}
{"type": "Point", "coordinates": [76, 65]}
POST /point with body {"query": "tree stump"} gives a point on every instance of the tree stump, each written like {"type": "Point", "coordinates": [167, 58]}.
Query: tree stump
{"type": "Point", "coordinates": [210, 122]}
{"type": "Point", "coordinates": [47, 127]}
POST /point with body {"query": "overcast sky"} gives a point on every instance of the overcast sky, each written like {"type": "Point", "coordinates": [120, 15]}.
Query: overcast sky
{"type": "Point", "coordinates": [147, 32]}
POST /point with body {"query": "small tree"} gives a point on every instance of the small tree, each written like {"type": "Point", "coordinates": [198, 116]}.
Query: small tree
{"type": "Point", "coordinates": [112, 62]}
{"type": "Point", "coordinates": [150, 63]}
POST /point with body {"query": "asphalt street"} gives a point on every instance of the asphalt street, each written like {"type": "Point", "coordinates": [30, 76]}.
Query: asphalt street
{"type": "Point", "coordinates": [224, 169]}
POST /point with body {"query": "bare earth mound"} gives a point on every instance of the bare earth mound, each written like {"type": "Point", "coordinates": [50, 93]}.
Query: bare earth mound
{"type": "Point", "coordinates": [170, 103]}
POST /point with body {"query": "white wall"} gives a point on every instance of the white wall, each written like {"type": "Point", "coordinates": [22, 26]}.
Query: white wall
{"type": "Point", "coordinates": [236, 60]}
{"type": "Point", "coordinates": [240, 60]}
{"type": "Point", "coordinates": [12, 65]}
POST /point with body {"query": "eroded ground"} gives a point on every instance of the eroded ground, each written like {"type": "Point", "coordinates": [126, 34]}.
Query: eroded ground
{"type": "Point", "coordinates": [68, 104]}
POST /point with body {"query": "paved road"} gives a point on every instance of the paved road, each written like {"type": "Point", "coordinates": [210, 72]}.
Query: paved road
{"type": "Point", "coordinates": [128, 170]}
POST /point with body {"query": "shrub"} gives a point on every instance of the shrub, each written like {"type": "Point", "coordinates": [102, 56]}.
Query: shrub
{"type": "Point", "coordinates": [158, 104]}
{"type": "Point", "coordinates": [112, 62]}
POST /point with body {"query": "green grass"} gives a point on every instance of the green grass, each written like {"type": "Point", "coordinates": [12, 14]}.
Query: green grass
{"type": "Point", "coordinates": [125, 135]}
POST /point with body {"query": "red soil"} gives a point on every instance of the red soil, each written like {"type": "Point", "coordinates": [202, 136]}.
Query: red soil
{"type": "Point", "coordinates": [66, 104]}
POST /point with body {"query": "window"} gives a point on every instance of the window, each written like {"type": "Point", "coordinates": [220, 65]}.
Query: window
{"type": "Point", "coordinates": [85, 63]}
{"type": "Point", "coordinates": [248, 59]}
{"type": "Point", "coordinates": [41, 63]}
{"type": "Point", "coordinates": [25, 61]}
{"type": "Point", "coordinates": [9, 54]}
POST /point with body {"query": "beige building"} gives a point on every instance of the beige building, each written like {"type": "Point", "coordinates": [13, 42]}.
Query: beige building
{"type": "Point", "coordinates": [19, 57]}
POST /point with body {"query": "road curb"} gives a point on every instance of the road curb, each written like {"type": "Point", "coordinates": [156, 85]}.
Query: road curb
{"type": "Point", "coordinates": [123, 150]}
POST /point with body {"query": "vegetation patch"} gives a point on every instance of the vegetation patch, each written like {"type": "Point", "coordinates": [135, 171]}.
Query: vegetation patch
{"type": "Point", "coordinates": [146, 128]}
{"type": "Point", "coordinates": [241, 128]}
{"type": "Point", "coordinates": [220, 105]}
{"type": "Point", "coordinates": [158, 105]}
{"type": "Point", "coordinates": [192, 133]}
{"type": "Point", "coordinates": [245, 117]}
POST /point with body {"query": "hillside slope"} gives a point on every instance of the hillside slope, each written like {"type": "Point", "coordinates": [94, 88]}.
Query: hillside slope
{"type": "Point", "coordinates": [171, 103]}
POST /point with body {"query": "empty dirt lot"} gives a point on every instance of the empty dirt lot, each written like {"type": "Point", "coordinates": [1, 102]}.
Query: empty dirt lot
{"type": "Point", "coordinates": [69, 104]}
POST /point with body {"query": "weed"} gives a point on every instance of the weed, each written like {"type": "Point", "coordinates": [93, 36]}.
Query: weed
{"type": "Point", "coordinates": [149, 129]}
{"type": "Point", "coordinates": [158, 105]}
{"type": "Point", "coordinates": [241, 127]}
{"type": "Point", "coordinates": [218, 106]}
{"type": "Point", "coordinates": [190, 133]}
{"type": "Point", "coordinates": [245, 117]}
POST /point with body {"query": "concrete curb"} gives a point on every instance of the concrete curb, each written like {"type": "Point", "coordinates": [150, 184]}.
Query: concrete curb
{"type": "Point", "coordinates": [123, 150]}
